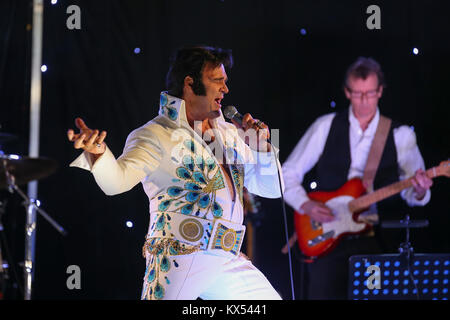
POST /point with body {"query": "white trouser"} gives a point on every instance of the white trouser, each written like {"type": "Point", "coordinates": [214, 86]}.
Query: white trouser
{"type": "Point", "coordinates": [211, 277]}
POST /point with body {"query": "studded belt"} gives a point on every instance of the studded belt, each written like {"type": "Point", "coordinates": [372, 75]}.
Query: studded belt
{"type": "Point", "coordinates": [218, 237]}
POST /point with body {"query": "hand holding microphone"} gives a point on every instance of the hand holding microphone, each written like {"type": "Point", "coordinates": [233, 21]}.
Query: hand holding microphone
{"type": "Point", "coordinates": [246, 122]}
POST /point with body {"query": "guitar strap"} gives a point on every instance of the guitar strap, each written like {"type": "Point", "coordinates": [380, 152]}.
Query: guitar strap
{"type": "Point", "coordinates": [373, 161]}
{"type": "Point", "coordinates": [376, 150]}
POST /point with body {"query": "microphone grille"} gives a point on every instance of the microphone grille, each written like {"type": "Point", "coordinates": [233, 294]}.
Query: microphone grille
{"type": "Point", "coordinates": [229, 112]}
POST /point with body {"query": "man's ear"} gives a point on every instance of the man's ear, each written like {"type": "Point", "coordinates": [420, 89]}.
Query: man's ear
{"type": "Point", "coordinates": [187, 87]}
{"type": "Point", "coordinates": [380, 92]}
{"type": "Point", "coordinates": [347, 93]}
{"type": "Point", "coordinates": [188, 82]}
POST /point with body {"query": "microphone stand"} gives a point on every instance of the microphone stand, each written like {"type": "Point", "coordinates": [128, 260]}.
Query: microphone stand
{"type": "Point", "coordinates": [285, 220]}
{"type": "Point", "coordinates": [232, 114]}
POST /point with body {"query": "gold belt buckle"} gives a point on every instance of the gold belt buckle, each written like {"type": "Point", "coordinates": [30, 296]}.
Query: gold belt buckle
{"type": "Point", "coordinates": [227, 239]}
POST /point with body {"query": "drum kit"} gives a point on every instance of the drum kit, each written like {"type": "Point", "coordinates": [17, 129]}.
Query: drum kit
{"type": "Point", "coordinates": [16, 171]}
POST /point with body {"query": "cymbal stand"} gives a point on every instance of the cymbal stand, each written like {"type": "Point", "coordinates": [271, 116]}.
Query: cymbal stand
{"type": "Point", "coordinates": [405, 249]}
{"type": "Point", "coordinates": [31, 206]}
{"type": "Point", "coordinates": [3, 263]}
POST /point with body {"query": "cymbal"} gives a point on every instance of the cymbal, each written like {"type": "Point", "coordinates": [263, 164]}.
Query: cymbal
{"type": "Point", "coordinates": [6, 137]}
{"type": "Point", "coordinates": [25, 169]}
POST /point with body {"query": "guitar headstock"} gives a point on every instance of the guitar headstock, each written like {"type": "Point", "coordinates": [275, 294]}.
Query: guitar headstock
{"type": "Point", "coordinates": [444, 168]}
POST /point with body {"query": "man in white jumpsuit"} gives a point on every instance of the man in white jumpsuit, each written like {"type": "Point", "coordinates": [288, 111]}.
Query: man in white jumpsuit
{"type": "Point", "coordinates": [193, 166]}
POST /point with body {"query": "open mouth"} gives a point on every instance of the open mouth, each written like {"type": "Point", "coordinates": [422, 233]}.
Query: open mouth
{"type": "Point", "coordinates": [218, 102]}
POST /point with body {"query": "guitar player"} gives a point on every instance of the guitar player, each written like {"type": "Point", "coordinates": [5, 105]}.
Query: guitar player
{"type": "Point", "coordinates": [333, 150]}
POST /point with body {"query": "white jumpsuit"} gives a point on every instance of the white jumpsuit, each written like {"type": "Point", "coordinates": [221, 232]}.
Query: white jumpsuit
{"type": "Point", "coordinates": [195, 231]}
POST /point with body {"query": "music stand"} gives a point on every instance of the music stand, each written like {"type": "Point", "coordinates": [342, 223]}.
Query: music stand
{"type": "Point", "coordinates": [402, 276]}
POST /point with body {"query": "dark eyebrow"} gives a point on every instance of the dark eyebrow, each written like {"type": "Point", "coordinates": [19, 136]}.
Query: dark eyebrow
{"type": "Point", "coordinates": [221, 78]}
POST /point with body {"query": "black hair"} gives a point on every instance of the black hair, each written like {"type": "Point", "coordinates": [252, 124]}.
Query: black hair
{"type": "Point", "coordinates": [190, 61]}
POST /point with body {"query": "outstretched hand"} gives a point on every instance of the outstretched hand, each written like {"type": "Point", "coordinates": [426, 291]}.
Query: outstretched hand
{"type": "Point", "coordinates": [87, 139]}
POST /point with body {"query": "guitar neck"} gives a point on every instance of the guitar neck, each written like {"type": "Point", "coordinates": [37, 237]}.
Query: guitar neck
{"type": "Point", "coordinates": [385, 192]}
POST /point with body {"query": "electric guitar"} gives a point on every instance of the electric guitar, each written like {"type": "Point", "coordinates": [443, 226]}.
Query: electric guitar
{"type": "Point", "coordinates": [316, 239]}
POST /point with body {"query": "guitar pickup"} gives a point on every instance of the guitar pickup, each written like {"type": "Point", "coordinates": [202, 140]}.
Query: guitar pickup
{"type": "Point", "coordinates": [321, 238]}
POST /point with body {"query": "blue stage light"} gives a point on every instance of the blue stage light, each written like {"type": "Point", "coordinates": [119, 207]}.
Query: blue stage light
{"type": "Point", "coordinates": [395, 284]}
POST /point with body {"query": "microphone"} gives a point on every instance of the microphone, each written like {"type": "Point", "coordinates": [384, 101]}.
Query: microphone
{"type": "Point", "coordinates": [231, 113]}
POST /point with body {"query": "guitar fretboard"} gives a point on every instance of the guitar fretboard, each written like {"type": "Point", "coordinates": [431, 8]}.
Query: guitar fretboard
{"type": "Point", "coordinates": [385, 192]}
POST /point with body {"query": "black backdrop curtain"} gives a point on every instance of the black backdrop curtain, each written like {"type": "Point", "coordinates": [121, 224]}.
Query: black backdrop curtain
{"type": "Point", "coordinates": [282, 75]}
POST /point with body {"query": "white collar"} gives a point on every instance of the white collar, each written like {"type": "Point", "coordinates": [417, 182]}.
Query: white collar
{"type": "Point", "coordinates": [174, 109]}
{"type": "Point", "coordinates": [371, 128]}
